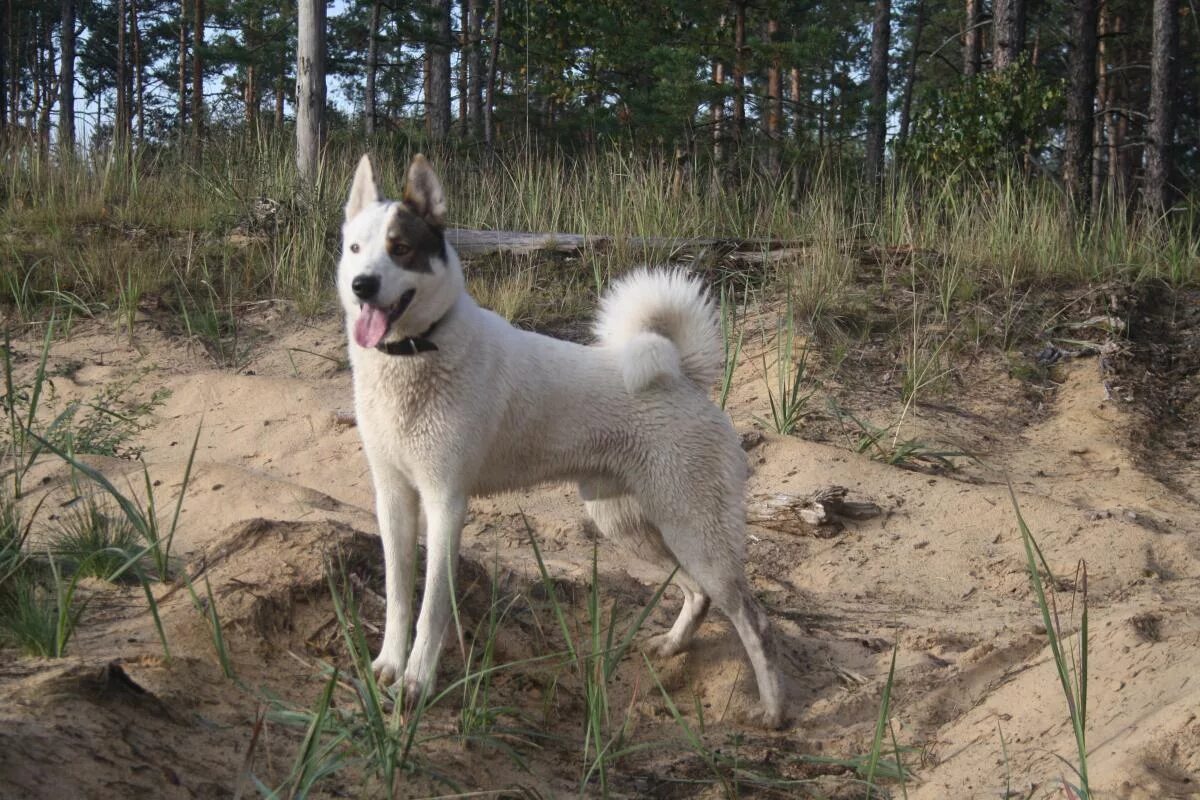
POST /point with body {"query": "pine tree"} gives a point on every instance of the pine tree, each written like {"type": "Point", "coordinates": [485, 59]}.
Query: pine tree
{"type": "Point", "coordinates": [310, 87]}
{"type": "Point", "coordinates": [1163, 68]}
{"type": "Point", "coordinates": [1081, 97]}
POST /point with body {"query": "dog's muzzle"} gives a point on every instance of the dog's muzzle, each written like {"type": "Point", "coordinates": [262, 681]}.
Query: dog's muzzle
{"type": "Point", "coordinates": [373, 322]}
{"type": "Point", "coordinates": [365, 286]}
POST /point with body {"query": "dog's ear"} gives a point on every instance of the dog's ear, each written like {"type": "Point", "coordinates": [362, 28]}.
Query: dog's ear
{"type": "Point", "coordinates": [362, 191]}
{"type": "Point", "coordinates": [423, 192]}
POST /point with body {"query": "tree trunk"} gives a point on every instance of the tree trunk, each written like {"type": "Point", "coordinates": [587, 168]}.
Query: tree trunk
{"type": "Point", "coordinates": [12, 21]}
{"type": "Point", "coordinates": [489, 105]}
{"type": "Point", "coordinates": [1119, 161]}
{"type": "Point", "coordinates": [774, 100]}
{"type": "Point", "coordinates": [1081, 101]}
{"type": "Point", "coordinates": [1008, 32]}
{"type": "Point", "coordinates": [121, 123]}
{"type": "Point", "coordinates": [372, 67]}
{"type": "Point", "coordinates": [5, 36]}
{"type": "Point", "coordinates": [910, 72]}
{"type": "Point", "coordinates": [310, 87]}
{"type": "Point", "coordinates": [425, 92]}
{"type": "Point", "coordinates": [66, 82]}
{"type": "Point", "coordinates": [1099, 130]}
{"type": "Point", "coordinates": [183, 62]}
{"type": "Point", "coordinates": [33, 54]}
{"type": "Point", "coordinates": [1161, 129]}
{"type": "Point", "coordinates": [48, 79]}
{"type": "Point", "coordinates": [795, 95]}
{"type": "Point", "coordinates": [822, 113]}
{"type": "Point", "coordinates": [718, 110]}
{"type": "Point", "coordinates": [878, 80]}
{"type": "Point", "coordinates": [774, 83]}
{"type": "Point", "coordinates": [281, 77]}
{"type": "Point", "coordinates": [198, 72]}
{"type": "Point", "coordinates": [474, 84]}
{"type": "Point", "coordinates": [138, 94]}
{"type": "Point", "coordinates": [252, 35]}
{"type": "Point", "coordinates": [251, 98]}
{"type": "Point", "coordinates": [437, 51]}
{"type": "Point", "coordinates": [739, 71]}
{"type": "Point", "coordinates": [972, 39]}
{"type": "Point", "coordinates": [463, 13]}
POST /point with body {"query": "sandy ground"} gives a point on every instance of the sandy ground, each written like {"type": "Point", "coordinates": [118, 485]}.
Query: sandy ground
{"type": "Point", "coordinates": [940, 574]}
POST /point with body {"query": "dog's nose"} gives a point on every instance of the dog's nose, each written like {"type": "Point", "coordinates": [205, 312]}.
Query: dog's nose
{"type": "Point", "coordinates": [365, 286]}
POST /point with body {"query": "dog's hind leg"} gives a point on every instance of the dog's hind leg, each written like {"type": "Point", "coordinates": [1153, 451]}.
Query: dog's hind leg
{"type": "Point", "coordinates": [620, 518]}
{"type": "Point", "coordinates": [695, 609]}
{"type": "Point", "coordinates": [705, 546]}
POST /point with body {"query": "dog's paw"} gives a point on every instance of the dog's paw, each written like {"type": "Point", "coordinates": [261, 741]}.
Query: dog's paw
{"type": "Point", "coordinates": [772, 718]}
{"type": "Point", "coordinates": [414, 693]}
{"type": "Point", "coordinates": [416, 687]}
{"type": "Point", "coordinates": [664, 645]}
{"type": "Point", "coordinates": [388, 670]}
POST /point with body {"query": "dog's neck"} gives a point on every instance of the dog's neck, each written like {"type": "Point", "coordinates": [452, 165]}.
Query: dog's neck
{"type": "Point", "coordinates": [413, 345]}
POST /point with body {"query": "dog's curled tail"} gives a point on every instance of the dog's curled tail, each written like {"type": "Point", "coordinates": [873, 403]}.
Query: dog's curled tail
{"type": "Point", "coordinates": [666, 325]}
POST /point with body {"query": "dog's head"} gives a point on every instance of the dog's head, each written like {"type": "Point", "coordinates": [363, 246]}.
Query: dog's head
{"type": "Point", "coordinates": [397, 275]}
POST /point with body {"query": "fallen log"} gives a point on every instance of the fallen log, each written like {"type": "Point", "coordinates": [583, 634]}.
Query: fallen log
{"type": "Point", "coordinates": [819, 514]}
{"type": "Point", "coordinates": [470, 242]}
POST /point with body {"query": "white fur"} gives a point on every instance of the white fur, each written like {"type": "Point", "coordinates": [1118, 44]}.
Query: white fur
{"type": "Point", "coordinates": [673, 305]}
{"type": "Point", "coordinates": [495, 408]}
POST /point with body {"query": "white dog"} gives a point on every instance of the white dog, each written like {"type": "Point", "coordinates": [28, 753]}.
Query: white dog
{"type": "Point", "coordinates": [452, 401]}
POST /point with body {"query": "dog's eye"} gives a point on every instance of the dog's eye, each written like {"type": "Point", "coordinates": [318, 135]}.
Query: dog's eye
{"type": "Point", "coordinates": [398, 248]}
{"type": "Point", "coordinates": [354, 248]}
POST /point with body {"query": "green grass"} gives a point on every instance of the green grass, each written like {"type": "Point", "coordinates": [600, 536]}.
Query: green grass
{"type": "Point", "coordinates": [1070, 653]}
{"type": "Point", "coordinates": [319, 756]}
{"type": "Point", "coordinates": [21, 402]}
{"type": "Point", "coordinates": [885, 445]}
{"type": "Point", "coordinates": [732, 335]}
{"type": "Point", "coordinates": [155, 539]}
{"type": "Point", "coordinates": [377, 732]}
{"type": "Point", "coordinates": [142, 515]}
{"type": "Point", "coordinates": [13, 535]}
{"type": "Point", "coordinates": [788, 380]}
{"type": "Point", "coordinates": [94, 541]}
{"type": "Point", "coordinates": [108, 423]}
{"type": "Point", "coordinates": [207, 606]}
{"type": "Point", "coordinates": [105, 424]}
{"type": "Point", "coordinates": [38, 609]}
{"type": "Point", "coordinates": [595, 658]}
{"type": "Point", "coordinates": [479, 716]}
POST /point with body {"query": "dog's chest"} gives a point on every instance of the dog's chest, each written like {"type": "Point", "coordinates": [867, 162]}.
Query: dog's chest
{"type": "Point", "coordinates": [400, 395]}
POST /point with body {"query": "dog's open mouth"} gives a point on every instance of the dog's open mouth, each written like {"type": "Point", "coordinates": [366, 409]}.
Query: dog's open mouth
{"type": "Point", "coordinates": [373, 322]}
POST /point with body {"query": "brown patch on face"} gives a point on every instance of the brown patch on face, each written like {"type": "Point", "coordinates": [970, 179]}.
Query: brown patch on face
{"type": "Point", "coordinates": [413, 242]}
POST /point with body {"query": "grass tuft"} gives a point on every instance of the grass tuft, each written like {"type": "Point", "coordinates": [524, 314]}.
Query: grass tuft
{"type": "Point", "coordinates": [38, 612]}
{"type": "Point", "coordinates": [94, 542]}
{"type": "Point", "coordinates": [1071, 662]}
{"type": "Point", "coordinates": [788, 390]}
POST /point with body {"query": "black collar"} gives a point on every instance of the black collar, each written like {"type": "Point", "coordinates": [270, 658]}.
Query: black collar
{"type": "Point", "coordinates": [413, 345]}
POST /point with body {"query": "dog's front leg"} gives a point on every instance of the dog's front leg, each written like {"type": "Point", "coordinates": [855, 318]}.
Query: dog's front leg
{"type": "Point", "coordinates": [396, 504]}
{"type": "Point", "coordinates": [444, 514]}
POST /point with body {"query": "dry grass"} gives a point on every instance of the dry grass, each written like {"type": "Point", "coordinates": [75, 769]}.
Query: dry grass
{"type": "Point", "coordinates": [101, 234]}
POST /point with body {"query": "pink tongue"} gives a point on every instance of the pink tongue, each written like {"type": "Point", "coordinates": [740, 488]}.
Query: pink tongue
{"type": "Point", "coordinates": [371, 326]}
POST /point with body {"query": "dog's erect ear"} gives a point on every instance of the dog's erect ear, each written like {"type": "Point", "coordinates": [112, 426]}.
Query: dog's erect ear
{"type": "Point", "coordinates": [423, 192]}
{"type": "Point", "coordinates": [362, 191]}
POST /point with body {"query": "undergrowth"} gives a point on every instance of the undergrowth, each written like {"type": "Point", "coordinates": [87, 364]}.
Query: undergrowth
{"type": "Point", "coordinates": [203, 236]}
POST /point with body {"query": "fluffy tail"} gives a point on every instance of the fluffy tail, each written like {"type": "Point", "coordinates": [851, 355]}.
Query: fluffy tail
{"type": "Point", "coordinates": [666, 325]}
